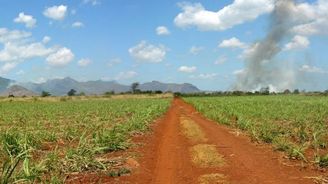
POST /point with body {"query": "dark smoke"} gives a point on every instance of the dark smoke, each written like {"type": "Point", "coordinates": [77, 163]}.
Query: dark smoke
{"type": "Point", "coordinates": [261, 68]}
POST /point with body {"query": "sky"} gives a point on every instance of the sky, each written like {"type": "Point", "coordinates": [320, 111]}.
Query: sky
{"type": "Point", "coordinates": [206, 43]}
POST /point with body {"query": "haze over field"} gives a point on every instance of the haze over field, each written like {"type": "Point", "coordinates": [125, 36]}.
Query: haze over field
{"type": "Point", "coordinates": [215, 45]}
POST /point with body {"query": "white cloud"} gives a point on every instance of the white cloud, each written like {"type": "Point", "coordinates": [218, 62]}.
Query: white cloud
{"type": "Point", "coordinates": [7, 67]}
{"type": "Point", "coordinates": [17, 47]}
{"type": "Point", "coordinates": [238, 12]}
{"type": "Point", "coordinates": [46, 39]}
{"type": "Point", "coordinates": [205, 76]}
{"type": "Point", "coordinates": [40, 80]}
{"type": "Point", "coordinates": [12, 36]}
{"type": "Point", "coordinates": [298, 42]}
{"type": "Point", "coordinates": [312, 18]}
{"type": "Point", "coordinates": [232, 43]}
{"type": "Point", "coordinates": [187, 69]}
{"type": "Point", "coordinates": [13, 51]}
{"type": "Point", "coordinates": [195, 50]}
{"type": "Point", "coordinates": [312, 69]}
{"type": "Point", "coordinates": [77, 25]}
{"type": "Point", "coordinates": [126, 75]}
{"type": "Point", "coordinates": [113, 62]}
{"type": "Point", "coordinates": [28, 20]}
{"type": "Point", "coordinates": [60, 58]}
{"type": "Point", "coordinates": [20, 72]}
{"type": "Point", "coordinates": [221, 60]}
{"type": "Point", "coordinates": [239, 72]}
{"type": "Point", "coordinates": [84, 62]}
{"type": "Point", "coordinates": [56, 12]}
{"type": "Point", "coordinates": [162, 30]}
{"type": "Point", "coordinates": [92, 2]}
{"type": "Point", "coordinates": [148, 52]}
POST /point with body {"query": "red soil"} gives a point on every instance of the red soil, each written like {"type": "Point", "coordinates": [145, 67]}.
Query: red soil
{"type": "Point", "coordinates": [166, 157]}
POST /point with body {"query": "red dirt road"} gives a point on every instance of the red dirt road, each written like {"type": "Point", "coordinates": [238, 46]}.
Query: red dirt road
{"type": "Point", "coordinates": [166, 157]}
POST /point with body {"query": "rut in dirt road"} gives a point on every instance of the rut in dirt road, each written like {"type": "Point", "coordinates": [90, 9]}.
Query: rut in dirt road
{"type": "Point", "coordinates": [187, 148]}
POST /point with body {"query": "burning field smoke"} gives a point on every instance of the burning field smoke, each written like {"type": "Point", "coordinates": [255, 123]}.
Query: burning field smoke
{"type": "Point", "coordinates": [261, 68]}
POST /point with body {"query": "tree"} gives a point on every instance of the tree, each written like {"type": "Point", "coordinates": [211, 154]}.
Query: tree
{"type": "Point", "coordinates": [134, 87]}
{"type": "Point", "coordinates": [71, 92]}
{"type": "Point", "coordinates": [81, 94]}
{"type": "Point", "coordinates": [287, 91]}
{"type": "Point", "coordinates": [296, 91]}
{"type": "Point", "coordinates": [265, 91]}
{"type": "Point", "coordinates": [45, 94]}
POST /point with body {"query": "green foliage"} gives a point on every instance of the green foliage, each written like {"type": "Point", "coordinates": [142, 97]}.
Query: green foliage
{"type": "Point", "coordinates": [42, 141]}
{"type": "Point", "coordinates": [45, 94]}
{"type": "Point", "coordinates": [71, 92]}
{"type": "Point", "coordinates": [292, 123]}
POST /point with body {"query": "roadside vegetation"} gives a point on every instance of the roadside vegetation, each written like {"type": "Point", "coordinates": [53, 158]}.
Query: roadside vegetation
{"type": "Point", "coordinates": [295, 124]}
{"type": "Point", "coordinates": [46, 141]}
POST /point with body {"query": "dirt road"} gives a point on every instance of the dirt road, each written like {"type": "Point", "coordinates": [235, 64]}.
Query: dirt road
{"type": "Point", "coordinates": [187, 148]}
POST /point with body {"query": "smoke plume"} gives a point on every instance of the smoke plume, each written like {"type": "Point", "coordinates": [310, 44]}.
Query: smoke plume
{"type": "Point", "coordinates": [261, 69]}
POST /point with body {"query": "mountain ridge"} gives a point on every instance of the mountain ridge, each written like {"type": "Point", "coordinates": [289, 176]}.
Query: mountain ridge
{"type": "Point", "coordinates": [60, 87]}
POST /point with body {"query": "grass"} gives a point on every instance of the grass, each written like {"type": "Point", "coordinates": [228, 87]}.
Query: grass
{"type": "Point", "coordinates": [43, 141]}
{"type": "Point", "coordinates": [206, 156]}
{"type": "Point", "coordinates": [212, 178]}
{"type": "Point", "coordinates": [192, 130]}
{"type": "Point", "coordinates": [292, 123]}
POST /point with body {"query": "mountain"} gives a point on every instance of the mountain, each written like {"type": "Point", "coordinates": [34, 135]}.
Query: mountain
{"type": "Point", "coordinates": [17, 91]}
{"type": "Point", "coordinates": [60, 87]}
{"type": "Point", "coordinates": [4, 83]}
{"type": "Point", "coordinates": [158, 86]}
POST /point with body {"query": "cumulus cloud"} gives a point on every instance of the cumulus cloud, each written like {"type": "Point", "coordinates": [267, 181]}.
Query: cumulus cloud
{"type": "Point", "coordinates": [7, 67]}
{"type": "Point", "coordinates": [205, 76]}
{"type": "Point", "coordinates": [312, 69]}
{"type": "Point", "coordinates": [92, 2]}
{"type": "Point", "coordinates": [28, 20]}
{"type": "Point", "coordinates": [84, 62]}
{"type": "Point", "coordinates": [17, 47]}
{"type": "Point", "coordinates": [13, 52]}
{"type": "Point", "coordinates": [238, 12]}
{"type": "Point", "coordinates": [60, 58]}
{"type": "Point", "coordinates": [221, 60]}
{"type": "Point", "coordinates": [148, 53]}
{"type": "Point", "coordinates": [298, 42]}
{"type": "Point", "coordinates": [195, 50]}
{"type": "Point", "coordinates": [12, 35]}
{"type": "Point", "coordinates": [77, 24]}
{"type": "Point", "coordinates": [239, 72]}
{"type": "Point", "coordinates": [20, 72]}
{"type": "Point", "coordinates": [162, 30]}
{"type": "Point", "coordinates": [312, 18]}
{"type": "Point", "coordinates": [56, 12]}
{"type": "Point", "coordinates": [126, 75]}
{"type": "Point", "coordinates": [187, 69]}
{"type": "Point", "coordinates": [232, 43]}
{"type": "Point", "coordinates": [113, 62]}
{"type": "Point", "coordinates": [46, 39]}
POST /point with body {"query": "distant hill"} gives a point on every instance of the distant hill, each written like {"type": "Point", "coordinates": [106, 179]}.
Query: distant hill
{"type": "Point", "coordinates": [4, 83]}
{"type": "Point", "coordinates": [60, 87]}
{"type": "Point", "coordinates": [17, 91]}
{"type": "Point", "coordinates": [158, 86]}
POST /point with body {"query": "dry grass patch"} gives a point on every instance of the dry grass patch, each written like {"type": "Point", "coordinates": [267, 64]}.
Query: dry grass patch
{"type": "Point", "coordinates": [192, 131]}
{"type": "Point", "coordinates": [205, 155]}
{"type": "Point", "coordinates": [215, 178]}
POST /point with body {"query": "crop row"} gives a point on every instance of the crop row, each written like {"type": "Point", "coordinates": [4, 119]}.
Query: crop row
{"type": "Point", "coordinates": [294, 124]}
{"type": "Point", "coordinates": [44, 141]}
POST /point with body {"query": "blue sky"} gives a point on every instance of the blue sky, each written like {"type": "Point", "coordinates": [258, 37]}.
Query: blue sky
{"type": "Point", "coordinates": [200, 42]}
